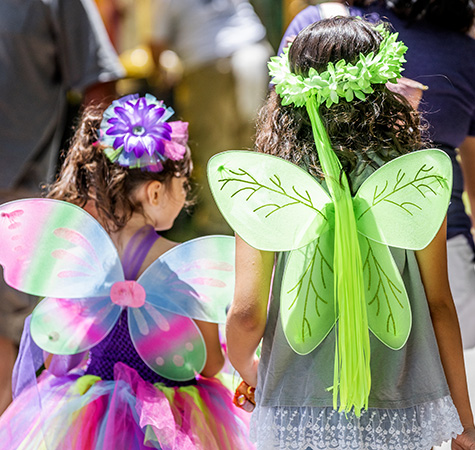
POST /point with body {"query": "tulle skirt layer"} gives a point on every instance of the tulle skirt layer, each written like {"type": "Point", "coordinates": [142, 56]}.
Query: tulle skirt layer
{"type": "Point", "coordinates": [75, 412]}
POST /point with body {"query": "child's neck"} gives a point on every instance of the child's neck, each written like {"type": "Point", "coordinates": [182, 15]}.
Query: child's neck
{"type": "Point", "coordinates": [122, 237]}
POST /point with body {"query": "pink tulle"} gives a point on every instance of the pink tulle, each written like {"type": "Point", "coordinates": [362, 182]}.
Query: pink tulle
{"type": "Point", "coordinates": [127, 413]}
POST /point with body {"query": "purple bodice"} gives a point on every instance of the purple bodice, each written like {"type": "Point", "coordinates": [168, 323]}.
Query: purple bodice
{"type": "Point", "coordinates": [118, 346]}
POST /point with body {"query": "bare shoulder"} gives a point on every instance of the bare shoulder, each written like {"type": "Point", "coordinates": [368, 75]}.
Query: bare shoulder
{"type": "Point", "coordinates": [162, 246]}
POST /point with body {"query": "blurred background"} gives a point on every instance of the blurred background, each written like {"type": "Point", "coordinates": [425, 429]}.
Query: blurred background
{"type": "Point", "coordinates": [208, 60]}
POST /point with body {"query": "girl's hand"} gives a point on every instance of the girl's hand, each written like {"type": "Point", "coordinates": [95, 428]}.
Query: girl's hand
{"type": "Point", "coordinates": [244, 397]}
{"type": "Point", "coordinates": [465, 441]}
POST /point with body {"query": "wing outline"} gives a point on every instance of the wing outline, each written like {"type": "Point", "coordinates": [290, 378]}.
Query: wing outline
{"type": "Point", "coordinates": [69, 326]}
{"type": "Point", "coordinates": [170, 344]}
{"type": "Point", "coordinates": [387, 304]}
{"type": "Point", "coordinates": [196, 276]}
{"type": "Point", "coordinates": [307, 321]}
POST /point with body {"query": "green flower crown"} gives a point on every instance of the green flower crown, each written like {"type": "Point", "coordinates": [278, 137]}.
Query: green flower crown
{"type": "Point", "coordinates": [341, 79]}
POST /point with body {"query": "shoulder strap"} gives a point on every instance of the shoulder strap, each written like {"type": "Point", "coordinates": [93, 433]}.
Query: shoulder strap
{"type": "Point", "coordinates": [136, 251]}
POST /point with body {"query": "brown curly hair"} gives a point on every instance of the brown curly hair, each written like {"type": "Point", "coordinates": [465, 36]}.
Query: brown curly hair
{"type": "Point", "coordinates": [88, 175]}
{"type": "Point", "coordinates": [384, 124]}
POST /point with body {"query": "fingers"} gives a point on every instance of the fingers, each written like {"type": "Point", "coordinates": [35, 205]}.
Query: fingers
{"type": "Point", "coordinates": [412, 84]}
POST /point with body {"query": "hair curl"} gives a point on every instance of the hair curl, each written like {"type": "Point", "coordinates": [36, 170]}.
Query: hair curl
{"type": "Point", "coordinates": [384, 124]}
{"type": "Point", "coordinates": [88, 175]}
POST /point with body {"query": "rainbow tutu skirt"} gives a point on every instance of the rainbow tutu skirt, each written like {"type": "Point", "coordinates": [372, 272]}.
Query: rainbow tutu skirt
{"type": "Point", "coordinates": [83, 412]}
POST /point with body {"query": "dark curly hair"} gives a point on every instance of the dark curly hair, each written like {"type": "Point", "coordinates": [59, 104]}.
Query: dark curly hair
{"type": "Point", "coordinates": [384, 124]}
{"type": "Point", "coordinates": [88, 175]}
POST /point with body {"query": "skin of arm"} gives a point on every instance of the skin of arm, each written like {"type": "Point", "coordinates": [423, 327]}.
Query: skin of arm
{"type": "Point", "coordinates": [248, 313]}
{"type": "Point", "coordinates": [214, 351]}
{"type": "Point", "coordinates": [467, 156]}
{"type": "Point", "coordinates": [432, 262]}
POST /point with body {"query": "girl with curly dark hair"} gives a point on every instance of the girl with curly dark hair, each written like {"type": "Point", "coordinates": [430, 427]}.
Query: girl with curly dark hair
{"type": "Point", "coordinates": [309, 282]}
{"type": "Point", "coordinates": [90, 180]}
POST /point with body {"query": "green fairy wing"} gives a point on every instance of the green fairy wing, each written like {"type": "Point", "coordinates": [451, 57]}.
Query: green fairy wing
{"type": "Point", "coordinates": [307, 308]}
{"type": "Point", "coordinates": [402, 204]}
{"type": "Point", "coordinates": [274, 205]}
{"type": "Point", "coordinates": [270, 203]}
{"type": "Point", "coordinates": [387, 305]}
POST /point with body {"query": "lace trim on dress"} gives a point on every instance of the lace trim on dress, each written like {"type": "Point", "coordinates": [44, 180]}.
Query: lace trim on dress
{"type": "Point", "coordinates": [313, 428]}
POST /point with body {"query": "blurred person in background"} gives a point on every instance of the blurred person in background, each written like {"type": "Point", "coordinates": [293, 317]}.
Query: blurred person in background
{"type": "Point", "coordinates": [47, 48]}
{"type": "Point", "coordinates": [317, 11]}
{"type": "Point", "coordinates": [112, 13]}
{"type": "Point", "coordinates": [223, 50]}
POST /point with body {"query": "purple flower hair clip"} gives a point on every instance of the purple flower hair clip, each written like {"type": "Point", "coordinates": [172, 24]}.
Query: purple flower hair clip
{"type": "Point", "coordinates": [136, 134]}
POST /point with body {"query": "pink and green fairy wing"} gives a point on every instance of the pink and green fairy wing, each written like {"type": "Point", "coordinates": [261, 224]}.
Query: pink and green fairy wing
{"type": "Point", "coordinates": [51, 248]}
{"type": "Point", "coordinates": [56, 250]}
{"type": "Point", "coordinates": [272, 204]}
{"type": "Point", "coordinates": [307, 305]}
{"type": "Point", "coordinates": [64, 326]}
{"type": "Point", "coordinates": [404, 203]}
{"type": "Point", "coordinates": [170, 344]}
{"type": "Point", "coordinates": [387, 304]}
{"type": "Point", "coordinates": [194, 280]}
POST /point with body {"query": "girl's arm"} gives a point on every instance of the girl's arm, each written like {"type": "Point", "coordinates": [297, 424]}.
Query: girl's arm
{"type": "Point", "coordinates": [248, 313]}
{"type": "Point", "coordinates": [433, 267]}
{"type": "Point", "coordinates": [214, 351]}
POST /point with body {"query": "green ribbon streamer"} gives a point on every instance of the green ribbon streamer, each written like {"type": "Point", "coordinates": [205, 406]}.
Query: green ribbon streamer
{"type": "Point", "coordinates": [352, 376]}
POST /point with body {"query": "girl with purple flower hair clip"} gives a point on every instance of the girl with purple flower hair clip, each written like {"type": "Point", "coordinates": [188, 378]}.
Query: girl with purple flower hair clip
{"type": "Point", "coordinates": [129, 319]}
